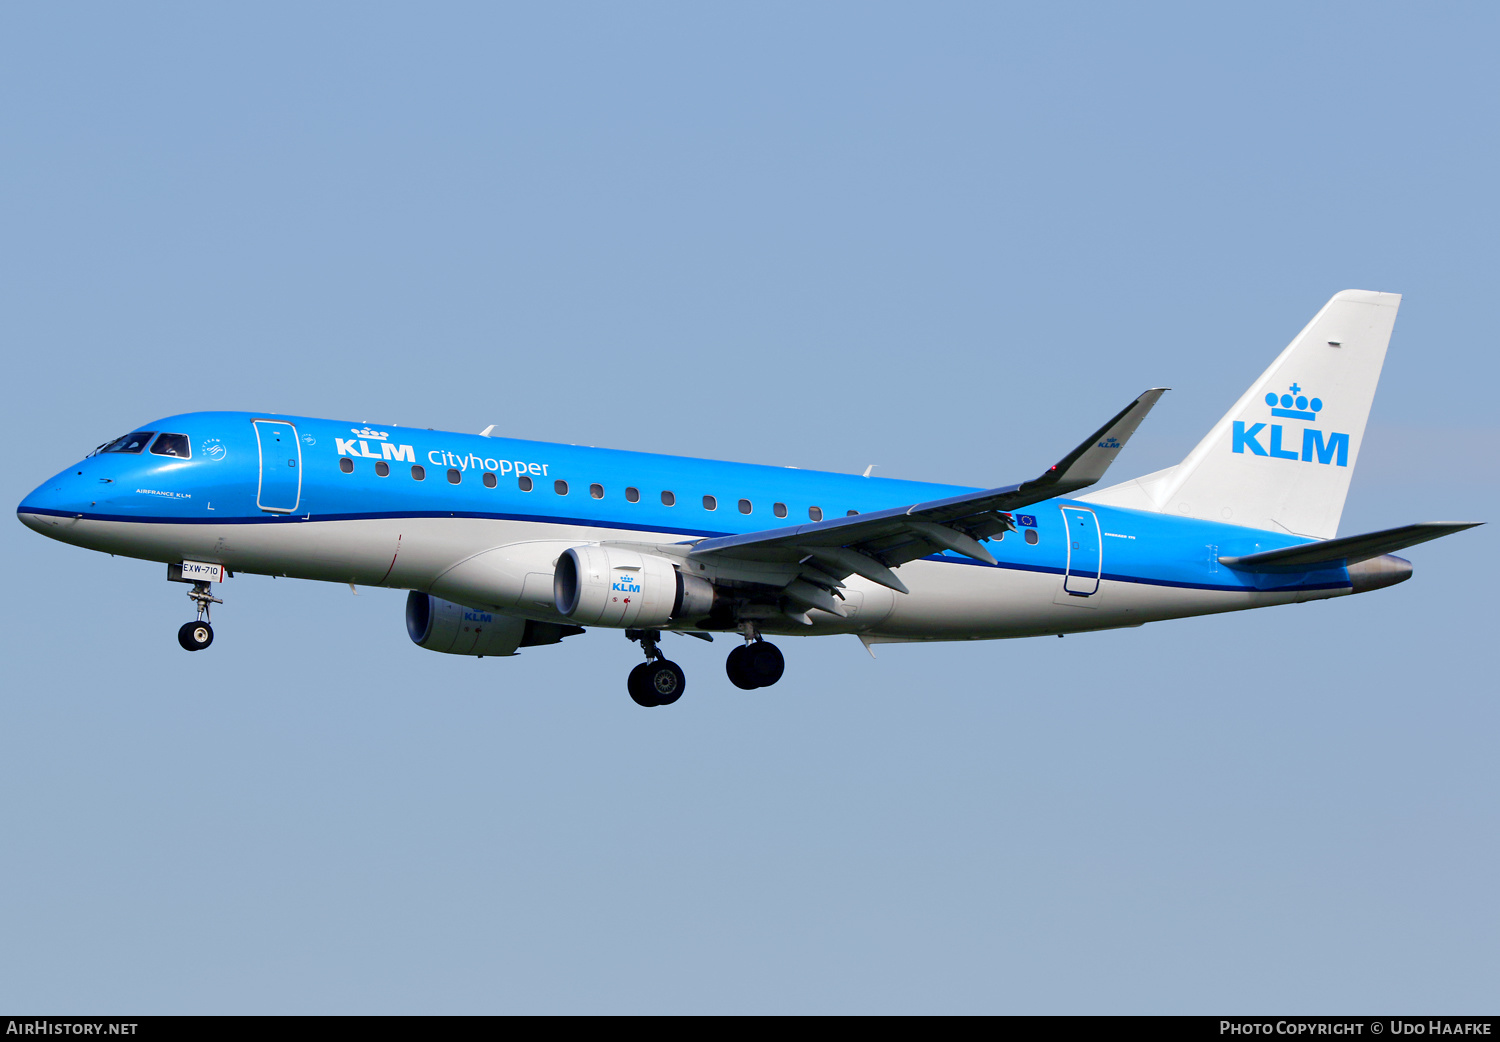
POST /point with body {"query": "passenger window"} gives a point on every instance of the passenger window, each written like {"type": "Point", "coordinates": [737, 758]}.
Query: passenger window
{"type": "Point", "coordinates": [524, 482]}
{"type": "Point", "coordinates": [815, 513]}
{"type": "Point", "coordinates": [418, 472]}
{"type": "Point", "coordinates": [596, 490]}
{"type": "Point", "coordinates": [172, 445]}
{"type": "Point", "coordinates": [852, 513]}
{"type": "Point", "coordinates": [489, 480]}
{"type": "Point", "coordinates": [383, 468]}
{"type": "Point", "coordinates": [779, 509]}
{"type": "Point", "coordinates": [454, 477]}
{"type": "Point", "coordinates": [710, 503]}
{"type": "Point", "coordinates": [744, 506]}
{"type": "Point", "coordinates": [560, 487]}
{"type": "Point", "coordinates": [632, 495]}
{"type": "Point", "coordinates": [346, 464]}
{"type": "Point", "coordinates": [130, 443]}
{"type": "Point", "coordinates": [1031, 536]}
{"type": "Point", "coordinates": [668, 499]}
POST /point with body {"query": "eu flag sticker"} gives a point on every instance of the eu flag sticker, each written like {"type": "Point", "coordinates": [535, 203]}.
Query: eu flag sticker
{"type": "Point", "coordinates": [1026, 520]}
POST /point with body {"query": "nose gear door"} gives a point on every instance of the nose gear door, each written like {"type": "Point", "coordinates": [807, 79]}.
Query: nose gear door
{"type": "Point", "coordinates": [280, 488]}
{"type": "Point", "coordinates": [1084, 559]}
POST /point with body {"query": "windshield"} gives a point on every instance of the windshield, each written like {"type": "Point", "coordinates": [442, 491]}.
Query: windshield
{"type": "Point", "coordinates": [130, 443]}
{"type": "Point", "coordinates": [172, 445]}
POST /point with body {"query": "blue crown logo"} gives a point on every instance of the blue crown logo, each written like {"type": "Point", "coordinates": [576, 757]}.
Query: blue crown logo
{"type": "Point", "coordinates": [1110, 443]}
{"type": "Point", "coordinates": [1294, 406]}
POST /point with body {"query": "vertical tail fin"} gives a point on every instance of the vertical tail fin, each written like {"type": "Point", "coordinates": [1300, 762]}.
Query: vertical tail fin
{"type": "Point", "coordinates": [1282, 458]}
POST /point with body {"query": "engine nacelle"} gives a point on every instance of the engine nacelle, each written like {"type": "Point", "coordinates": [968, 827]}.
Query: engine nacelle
{"type": "Point", "coordinates": [514, 579]}
{"type": "Point", "coordinates": [610, 586]}
{"type": "Point", "coordinates": [440, 625]}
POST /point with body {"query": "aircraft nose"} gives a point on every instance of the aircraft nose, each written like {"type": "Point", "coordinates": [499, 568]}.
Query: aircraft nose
{"type": "Point", "coordinates": [65, 495]}
{"type": "Point", "coordinates": [1379, 572]}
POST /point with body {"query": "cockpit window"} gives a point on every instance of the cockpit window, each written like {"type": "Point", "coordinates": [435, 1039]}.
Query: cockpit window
{"type": "Point", "coordinates": [130, 443]}
{"type": "Point", "coordinates": [172, 445]}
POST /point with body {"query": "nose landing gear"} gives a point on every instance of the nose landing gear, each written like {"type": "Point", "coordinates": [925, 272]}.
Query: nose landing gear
{"type": "Point", "coordinates": [195, 636]}
{"type": "Point", "coordinates": [655, 682]}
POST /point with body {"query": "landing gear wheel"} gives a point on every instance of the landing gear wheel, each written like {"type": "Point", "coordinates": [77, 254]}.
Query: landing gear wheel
{"type": "Point", "coordinates": [639, 683]}
{"type": "Point", "coordinates": [754, 665]}
{"type": "Point", "coordinates": [195, 636]}
{"type": "Point", "coordinates": [764, 663]}
{"type": "Point", "coordinates": [738, 669]}
{"type": "Point", "coordinates": [655, 682]}
{"type": "Point", "coordinates": [667, 681]}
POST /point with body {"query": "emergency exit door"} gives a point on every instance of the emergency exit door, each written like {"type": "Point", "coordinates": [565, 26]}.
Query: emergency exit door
{"type": "Point", "coordinates": [1084, 559]}
{"type": "Point", "coordinates": [280, 488]}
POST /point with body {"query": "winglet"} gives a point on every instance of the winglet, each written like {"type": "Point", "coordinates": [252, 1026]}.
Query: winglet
{"type": "Point", "coordinates": [1087, 463]}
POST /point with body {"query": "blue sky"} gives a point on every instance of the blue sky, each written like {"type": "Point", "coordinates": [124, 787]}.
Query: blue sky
{"type": "Point", "coordinates": [948, 241]}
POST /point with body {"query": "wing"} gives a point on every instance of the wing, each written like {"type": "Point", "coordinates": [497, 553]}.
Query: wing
{"type": "Point", "coordinates": [822, 554]}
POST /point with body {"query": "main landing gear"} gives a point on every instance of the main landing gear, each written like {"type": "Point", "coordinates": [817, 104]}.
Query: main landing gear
{"type": "Point", "coordinates": [658, 682]}
{"type": "Point", "coordinates": [655, 682]}
{"type": "Point", "coordinates": [756, 664]}
{"type": "Point", "coordinates": [195, 636]}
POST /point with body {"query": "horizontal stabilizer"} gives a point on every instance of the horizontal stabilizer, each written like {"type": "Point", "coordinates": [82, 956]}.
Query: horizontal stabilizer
{"type": "Point", "coordinates": [1338, 553]}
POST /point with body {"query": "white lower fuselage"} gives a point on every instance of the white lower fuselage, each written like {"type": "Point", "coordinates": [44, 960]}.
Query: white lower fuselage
{"type": "Point", "coordinates": [506, 567]}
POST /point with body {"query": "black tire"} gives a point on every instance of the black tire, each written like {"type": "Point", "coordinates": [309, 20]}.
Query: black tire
{"type": "Point", "coordinates": [667, 681]}
{"type": "Point", "coordinates": [738, 668]}
{"type": "Point", "coordinates": [764, 663]}
{"type": "Point", "coordinates": [195, 636]}
{"type": "Point", "coordinates": [639, 684]}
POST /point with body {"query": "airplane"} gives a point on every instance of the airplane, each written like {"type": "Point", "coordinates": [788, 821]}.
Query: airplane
{"type": "Point", "coordinates": [505, 544]}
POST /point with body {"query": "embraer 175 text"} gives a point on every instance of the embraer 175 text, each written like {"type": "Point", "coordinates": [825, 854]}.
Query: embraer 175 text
{"type": "Point", "coordinates": [510, 544]}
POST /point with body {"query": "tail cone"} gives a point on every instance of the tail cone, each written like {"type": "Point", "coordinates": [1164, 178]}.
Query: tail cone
{"type": "Point", "coordinates": [1379, 572]}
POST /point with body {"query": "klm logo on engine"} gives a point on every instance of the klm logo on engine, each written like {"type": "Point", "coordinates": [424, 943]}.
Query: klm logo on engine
{"type": "Point", "coordinates": [1330, 448]}
{"type": "Point", "coordinates": [360, 446]}
{"type": "Point", "coordinates": [627, 584]}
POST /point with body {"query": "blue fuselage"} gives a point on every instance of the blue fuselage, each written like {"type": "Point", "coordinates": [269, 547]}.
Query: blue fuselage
{"type": "Point", "coordinates": [271, 474]}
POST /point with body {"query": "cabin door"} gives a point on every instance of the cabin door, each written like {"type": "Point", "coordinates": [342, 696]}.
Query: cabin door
{"type": "Point", "coordinates": [1084, 559]}
{"type": "Point", "coordinates": [280, 487]}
